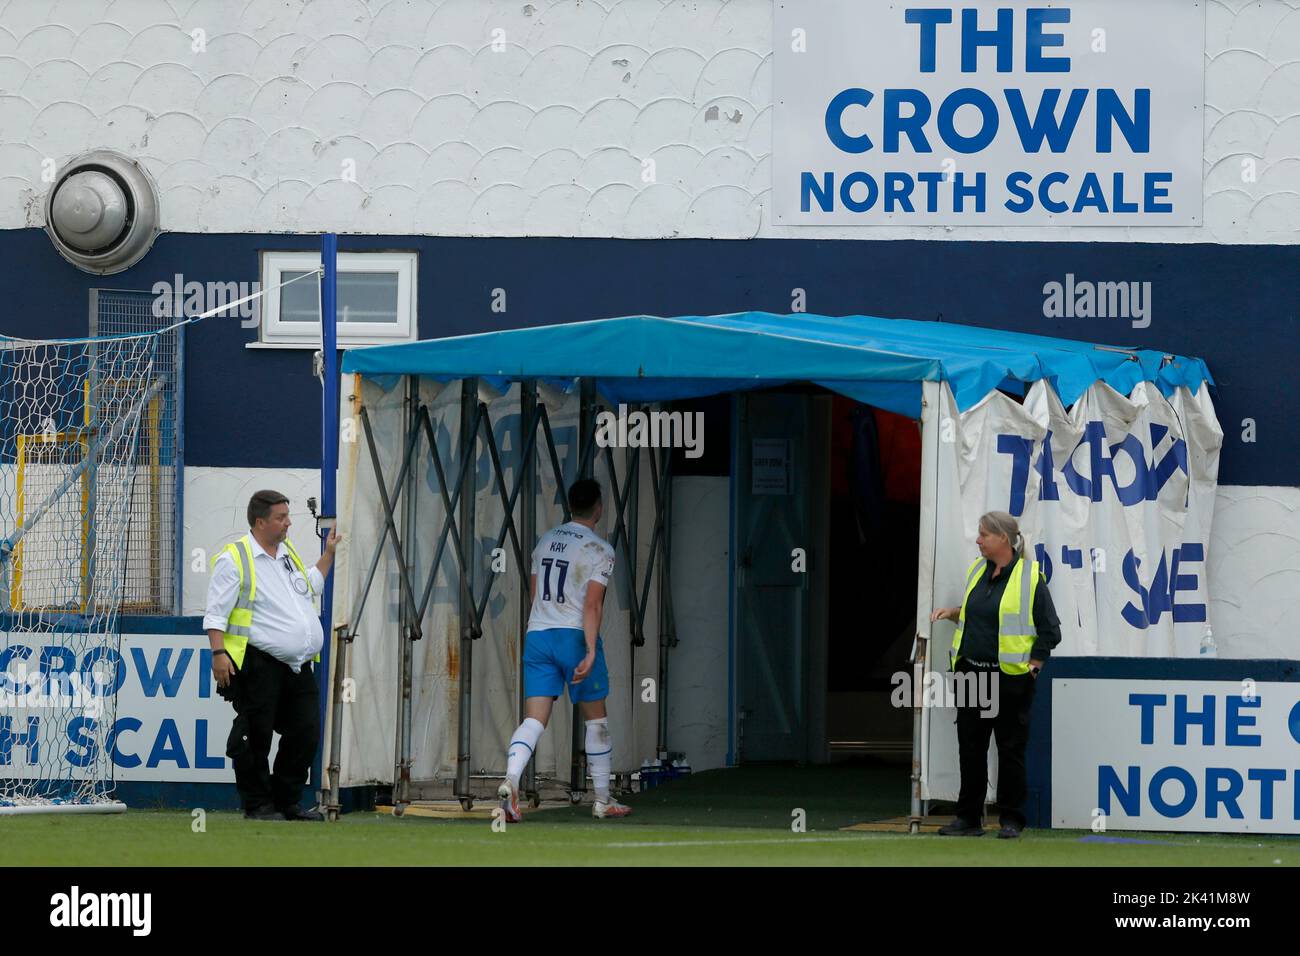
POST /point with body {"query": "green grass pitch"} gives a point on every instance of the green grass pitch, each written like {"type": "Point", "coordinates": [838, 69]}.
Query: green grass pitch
{"type": "Point", "coordinates": [164, 838]}
{"type": "Point", "coordinates": [736, 817]}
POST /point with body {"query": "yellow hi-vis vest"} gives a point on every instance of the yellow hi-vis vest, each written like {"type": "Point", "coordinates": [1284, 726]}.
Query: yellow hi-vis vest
{"type": "Point", "coordinates": [1016, 631]}
{"type": "Point", "coordinates": [239, 626]}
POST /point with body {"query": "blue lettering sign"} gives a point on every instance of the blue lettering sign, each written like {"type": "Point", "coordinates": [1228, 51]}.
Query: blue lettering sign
{"type": "Point", "coordinates": [30, 739]}
{"type": "Point", "coordinates": [160, 677]}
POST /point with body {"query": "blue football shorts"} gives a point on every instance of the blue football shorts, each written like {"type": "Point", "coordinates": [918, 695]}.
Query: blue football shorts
{"type": "Point", "coordinates": [550, 658]}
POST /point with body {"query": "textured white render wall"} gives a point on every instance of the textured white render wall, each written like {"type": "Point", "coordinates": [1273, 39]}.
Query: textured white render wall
{"type": "Point", "coordinates": [545, 138]}
{"type": "Point", "coordinates": [216, 508]}
{"type": "Point", "coordinates": [1254, 568]}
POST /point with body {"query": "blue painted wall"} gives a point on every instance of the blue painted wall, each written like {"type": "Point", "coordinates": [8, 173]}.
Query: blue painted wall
{"type": "Point", "coordinates": [1235, 306]}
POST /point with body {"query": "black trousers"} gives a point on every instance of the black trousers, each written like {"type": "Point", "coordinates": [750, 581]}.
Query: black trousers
{"type": "Point", "coordinates": [1010, 726]}
{"type": "Point", "coordinates": [268, 696]}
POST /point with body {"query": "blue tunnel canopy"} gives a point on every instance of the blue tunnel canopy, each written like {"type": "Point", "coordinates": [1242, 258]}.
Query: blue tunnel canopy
{"type": "Point", "coordinates": [647, 358]}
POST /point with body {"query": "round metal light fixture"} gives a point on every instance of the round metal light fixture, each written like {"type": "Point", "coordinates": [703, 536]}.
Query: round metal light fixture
{"type": "Point", "coordinates": [102, 212]}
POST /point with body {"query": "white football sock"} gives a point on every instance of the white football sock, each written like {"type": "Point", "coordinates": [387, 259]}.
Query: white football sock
{"type": "Point", "coordinates": [522, 744]}
{"type": "Point", "coordinates": [599, 747]}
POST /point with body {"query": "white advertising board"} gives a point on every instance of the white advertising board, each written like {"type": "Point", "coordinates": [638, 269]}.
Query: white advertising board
{"type": "Point", "coordinates": [1081, 113]}
{"type": "Point", "coordinates": [1208, 756]}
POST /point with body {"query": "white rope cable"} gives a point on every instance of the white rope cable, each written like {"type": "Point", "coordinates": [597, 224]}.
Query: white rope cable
{"type": "Point", "coordinates": [9, 341]}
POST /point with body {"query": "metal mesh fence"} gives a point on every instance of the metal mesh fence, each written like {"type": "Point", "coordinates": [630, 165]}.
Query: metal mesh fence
{"type": "Point", "coordinates": [152, 584]}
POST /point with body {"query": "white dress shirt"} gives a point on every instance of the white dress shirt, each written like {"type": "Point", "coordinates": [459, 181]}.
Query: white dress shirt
{"type": "Point", "coordinates": [286, 624]}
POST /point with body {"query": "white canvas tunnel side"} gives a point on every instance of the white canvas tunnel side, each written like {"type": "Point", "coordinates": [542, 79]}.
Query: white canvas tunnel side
{"type": "Point", "coordinates": [373, 719]}
{"type": "Point", "coordinates": [1115, 498]}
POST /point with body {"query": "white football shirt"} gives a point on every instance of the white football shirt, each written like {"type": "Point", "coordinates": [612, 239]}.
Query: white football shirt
{"type": "Point", "coordinates": [565, 561]}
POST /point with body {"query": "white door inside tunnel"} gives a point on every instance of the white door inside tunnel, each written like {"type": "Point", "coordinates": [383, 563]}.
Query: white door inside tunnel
{"type": "Point", "coordinates": [780, 558]}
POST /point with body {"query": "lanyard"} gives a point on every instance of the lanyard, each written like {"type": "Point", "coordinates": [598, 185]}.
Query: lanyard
{"type": "Point", "coordinates": [299, 582]}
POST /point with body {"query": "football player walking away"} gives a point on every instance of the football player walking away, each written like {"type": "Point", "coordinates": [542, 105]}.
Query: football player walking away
{"type": "Point", "coordinates": [563, 645]}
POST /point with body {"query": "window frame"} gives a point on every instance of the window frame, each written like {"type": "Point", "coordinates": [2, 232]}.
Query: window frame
{"type": "Point", "coordinates": [273, 333]}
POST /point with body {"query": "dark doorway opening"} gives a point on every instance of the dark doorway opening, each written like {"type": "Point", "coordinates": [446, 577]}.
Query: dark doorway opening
{"type": "Point", "coordinates": [874, 524]}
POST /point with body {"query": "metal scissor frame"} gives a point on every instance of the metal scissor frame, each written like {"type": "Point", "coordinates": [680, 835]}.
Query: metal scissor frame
{"type": "Point", "coordinates": [457, 497]}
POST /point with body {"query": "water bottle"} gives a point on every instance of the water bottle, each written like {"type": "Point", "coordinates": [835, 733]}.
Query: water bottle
{"type": "Point", "coordinates": [1208, 647]}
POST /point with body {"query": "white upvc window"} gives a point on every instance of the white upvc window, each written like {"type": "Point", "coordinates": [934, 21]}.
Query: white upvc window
{"type": "Point", "coordinates": [376, 299]}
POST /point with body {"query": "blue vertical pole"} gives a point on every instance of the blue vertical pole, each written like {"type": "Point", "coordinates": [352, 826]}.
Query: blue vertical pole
{"type": "Point", "coordinates": [329, 460]}
{"type": "Point", "coordinates": [178, 463]}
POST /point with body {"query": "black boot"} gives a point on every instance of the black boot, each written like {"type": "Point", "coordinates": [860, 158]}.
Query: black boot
{"type": "Point", "coordinates": [298, 813]}
{"type": "Point", "coordinates": [960, 827]}
{"type": "Point", "coordinates": [265, 812]}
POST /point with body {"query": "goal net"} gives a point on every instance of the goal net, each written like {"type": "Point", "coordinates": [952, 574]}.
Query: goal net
{"type": "Point", "coordinates": [71, 414]}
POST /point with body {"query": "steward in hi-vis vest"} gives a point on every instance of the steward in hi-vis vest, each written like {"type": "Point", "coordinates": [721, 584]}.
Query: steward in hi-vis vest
{"type": "Point", "coordinates": [1006, 629]}
{"type": "Point", "coordinates": [239, 627]}
{"type": "Point", "coordinates": [1016, 631]}
{"type": "Point", "coordinates": [265, 634]}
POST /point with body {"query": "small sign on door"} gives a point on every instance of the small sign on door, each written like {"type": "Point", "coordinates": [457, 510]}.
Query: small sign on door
{"type": "Point", "coordinates": [770, 468]}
